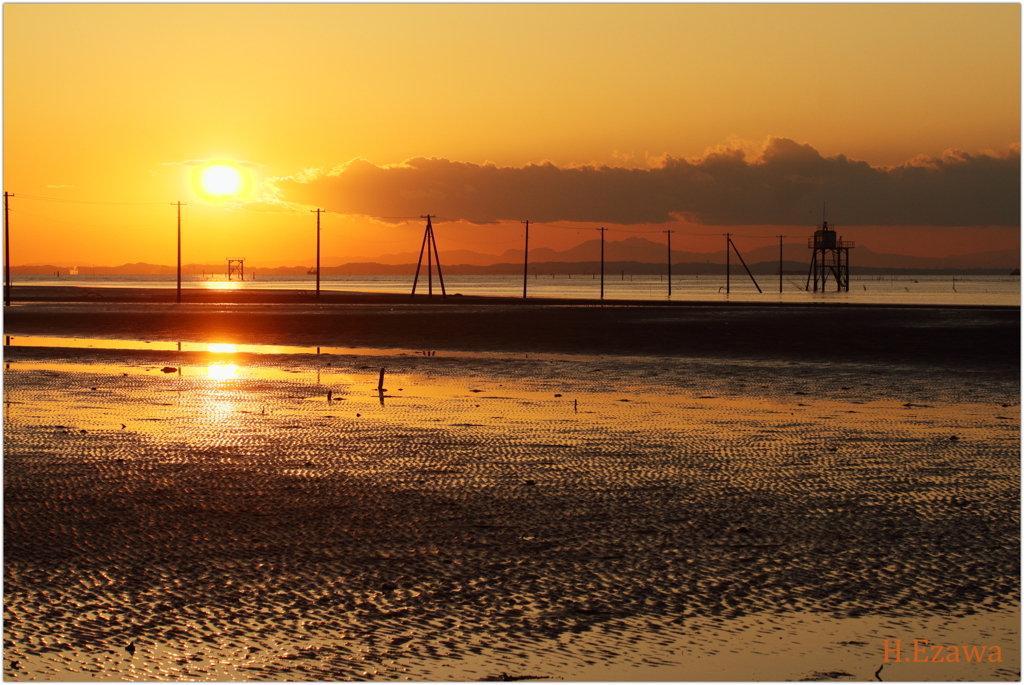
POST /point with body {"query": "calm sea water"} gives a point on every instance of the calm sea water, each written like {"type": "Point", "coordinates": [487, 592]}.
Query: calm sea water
{"type": "Point", "coordinates": [941, 290]}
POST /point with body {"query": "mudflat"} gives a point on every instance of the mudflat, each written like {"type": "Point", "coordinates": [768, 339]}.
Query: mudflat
{"type": "Point", "coordinates": [621, 492]}
{"type": "Point", "coordinates": [956, 336]}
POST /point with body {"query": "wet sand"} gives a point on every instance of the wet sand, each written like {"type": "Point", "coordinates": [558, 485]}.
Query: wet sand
{"type": "Point", "coordinates": [691, 513]}
{"type": "Point", "coordinates": [954, 336]}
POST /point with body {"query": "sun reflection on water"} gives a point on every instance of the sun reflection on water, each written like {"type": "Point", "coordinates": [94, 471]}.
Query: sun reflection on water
{"type": "Point", "coordinates": [222, 347]}
{"type": "Point", "coordinates": [222, 372]}
{"type": "Point", "coordinates": [222, 285]}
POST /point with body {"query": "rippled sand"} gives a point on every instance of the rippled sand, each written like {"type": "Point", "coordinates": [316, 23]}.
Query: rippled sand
{"type": "Point", "coordinates": [641, 518]}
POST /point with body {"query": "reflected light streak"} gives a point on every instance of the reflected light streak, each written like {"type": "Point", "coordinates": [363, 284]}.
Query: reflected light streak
{"type": "Point", "coordinates": [222, 372]}
{"type": "Point", "coordinates": [227, 348]}
{"type": "Point", "coordinates": [222, 285]}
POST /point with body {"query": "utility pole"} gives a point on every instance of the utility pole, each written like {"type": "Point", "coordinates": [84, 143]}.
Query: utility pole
{"type": "Point", "coordinates": [179, 203]}
{"type": "Point", "coordinates": [437, 258]}
{"type": "Point", "coordinates": [7, 252]}
{"type": "Point", "coordinates": [430, 277]}
{"type": "Point", "coordinates": [429, 243]}
{"type": "Point", "coordinates": [780, 263]}
{"type": "Point", "coordinates": [526, 254]}
{"type": "Point", "coordinates": [318, 211]}
{"type": "Point", "coordinates": [602, 260]}
{"type": "Point", "coordinates": [669, 234]}
{"type": "Point", "coordinates": [728, 244]}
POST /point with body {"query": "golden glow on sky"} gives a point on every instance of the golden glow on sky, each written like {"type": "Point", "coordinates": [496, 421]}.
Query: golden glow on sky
{"type": "Point", "coordinates": [146, 103]}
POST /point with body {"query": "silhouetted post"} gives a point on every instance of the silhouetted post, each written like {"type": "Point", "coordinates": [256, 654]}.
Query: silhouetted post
{"type": "Point", "coordinates": [430, 276]}
{"type": "Point", "coordinates": [780, 263]}
{"type": "Point", "coordinates": [728, 242]}
{"type": "Point", "coordinates": [7, 252]}
{"type": "Point", "coordinates": [733, 245]}
{"type": "Point", "coordinates": [419, 261]}
{"type": "Point", "coordinates": [380, 382]}
{"type": "Point", "coordinates": [429, 243]}
{"type": "Point", "coordinates": [437, 258]}
{"type": "Point", "coordinates": [602, 260]}
{"type": "Point", "coordinates": [318, 212]}
{"type": "Point", "coordinates": [526, 255]}
{"type": "Point", "coordinates": [669, 234]}
{"type": "Point", "coordinates": [179, 204]}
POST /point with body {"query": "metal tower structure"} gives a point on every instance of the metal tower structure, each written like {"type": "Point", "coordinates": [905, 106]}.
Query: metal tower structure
{"type": "Point", "coordinates": [236, 267]}
{"type": "Point", "coordinates": [831, 256]}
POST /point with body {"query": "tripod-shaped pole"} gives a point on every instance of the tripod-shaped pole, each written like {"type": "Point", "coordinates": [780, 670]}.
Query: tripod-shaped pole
{"type": "Point", "coordinates": [429, 244]}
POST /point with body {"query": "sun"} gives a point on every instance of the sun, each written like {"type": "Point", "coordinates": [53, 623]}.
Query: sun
{"type": "Point", "coordinates": [221, 181]}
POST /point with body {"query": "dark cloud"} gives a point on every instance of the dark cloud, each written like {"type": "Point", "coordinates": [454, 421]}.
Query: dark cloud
{"type": "Point", "coordinates": [785, 185]}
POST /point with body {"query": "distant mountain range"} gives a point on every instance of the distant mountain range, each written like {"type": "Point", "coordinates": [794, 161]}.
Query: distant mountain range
{"type": "Point", "coordinates": [632, 255]}
{"type": "Point", "coordinates": [645, 251]}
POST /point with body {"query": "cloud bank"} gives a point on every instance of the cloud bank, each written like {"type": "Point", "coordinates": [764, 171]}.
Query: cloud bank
{"type": "Point", "coordinates": [785, 185]}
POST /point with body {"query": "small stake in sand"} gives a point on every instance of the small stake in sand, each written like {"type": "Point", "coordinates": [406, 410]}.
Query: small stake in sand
{"type": "Point", "coordinates": [380, 387]}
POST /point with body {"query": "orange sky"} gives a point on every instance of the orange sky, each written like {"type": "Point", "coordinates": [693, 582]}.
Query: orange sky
{"type": "Point", "coordinates": [118, 104]}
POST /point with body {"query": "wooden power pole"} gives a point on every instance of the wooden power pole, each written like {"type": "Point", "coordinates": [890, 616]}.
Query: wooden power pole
{"type": "Point", "coordinates": [728, 244]}
{"type": "Point", "coordinates": [526, 255]}
{"type": "Point", "coordinates": [780, 263]}
{"type": "Point", "coordinates": [429, 244]}
{"type": "Point", "coordinates": [669, 234]}
{"type": "Point", "coordinates": [7, 252]}
{"type": "Point", "coordinates": [318, 212]}
{"type": "Point", "coordinates": [179, 204]}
